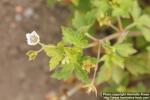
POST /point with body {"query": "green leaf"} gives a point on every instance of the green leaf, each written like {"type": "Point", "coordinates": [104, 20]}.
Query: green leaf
{"type": "Point", "coordinates": [51, 2]}
{"type": "Point", "coordinates": [142, 21]}
{"type": "Point", "coordinates": [115, 55]}
{"type": "Point", "coordinates": [121, 7]}
{"type": "Point", "coordinates": [121, 88]}
{"type": "Point", "coordinates": [138, 64]}
{"type": "Point", "coordinates": [68, 35]}
{"type": "Point", "coordinates": [73, 37]}
{"type": "Point", "coordinates": [118, 12]}
{"type": "Point", "coordinates": [55, 61]}
{"type": "Point", "coordinates": [112, 58]}
{"type": "Point", "coordinates": [140, 87]}
{"type": "Point", "coordinates": [102, 6]}
{"type": "Point", "coordinates": [60, 44]}
{"type": "Point", "coordinates": [73, 54]}
{"type": "Point", "coordinates": [107, 60]}
{"type": "Point", "coordinates": [56, 54]}
{"type": "Point", "coordinates": [75, 2]}
{"type": "Point", "coordinates": [83, 21]}
{"type": "Point", "coordinates": [90, 59]}
{"type": "Point", "coordinates": [147, 10]}
{"type": "Point", "coordinates": [84, 5]}
{"type": "Point", "coordinates": [124, 49]}
{"type": "Point", "coordinates": [52, 51]}
{"type": "Point", "coordinates": [64, 73]}
{"type": "Point", "coordinates": [117, 60]}
{"type": "Point", "coordinates": [104, 74]}
{"type": "Point", "coordinates": [136, 10]}
{"type": "Point", "coordinates": [148, 48]}
{"type": "Point", "coordinates": [32, 54]}
{"type": "Point", "coordinates": [118, 74]}
{"type": "Point", "coordinates": [125, 80]}
{"type": "Point", "coordinates": [81, 74]}
{"type": "Point", "coordinates": [141, 43]}
{"type": "Point", "coordinates": [146, 33]}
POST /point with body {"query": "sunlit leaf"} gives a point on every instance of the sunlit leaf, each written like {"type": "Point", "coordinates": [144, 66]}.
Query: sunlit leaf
{"type": "Point", "coordinates": [56, 55]}
{"type": "Point", "coordinates": [70, 36]}
{"type": "Point", "coordinates": [124, 49]}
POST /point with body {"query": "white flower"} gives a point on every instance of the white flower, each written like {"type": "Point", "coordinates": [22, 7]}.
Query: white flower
{"type": "Point", "coordinates": [32, 38]}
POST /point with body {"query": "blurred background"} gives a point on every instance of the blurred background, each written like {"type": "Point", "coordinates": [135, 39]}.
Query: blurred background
{"type": "Point", "coordinates": [21, 79]}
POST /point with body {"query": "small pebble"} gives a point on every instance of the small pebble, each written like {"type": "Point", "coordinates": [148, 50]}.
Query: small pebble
{"type": "Point", "coordinates": [18, 9]}
{"type": "Point", "coordinates": [28, 13]}
{"type": "Point", "coordinates": [18, 17]}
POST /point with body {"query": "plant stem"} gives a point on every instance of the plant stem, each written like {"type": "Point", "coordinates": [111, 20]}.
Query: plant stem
{"type": "Point", "coordinates": [93, 44]}
{"type": "Point", "coordinates": [40, 50]}
{"type": "Point", "coordinates": [71, 92]}
{"type": "Point", "coordinates": [113, 27]}
{"type": "Point", "coordinates": [91, 37]}
{"type": "Point", "coordinates": [122, 37]}
{"type": "Point", "coordinates": [41, 44]}
{"type": "Point", "coordinates": [112, 36]}
{"type": "Point", "coordinates": [120, 24]}
{"type": "Point", "coordinates": [74, 90]}
{"type": "Point", "coordinates": [130, 26]}
{"type": "Point", "coordinates": [96, 67]}
{"type": "Point", "coordinates": [42, 47]}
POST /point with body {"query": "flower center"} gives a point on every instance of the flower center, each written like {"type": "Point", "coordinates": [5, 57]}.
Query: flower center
{"type": "Point", "coordinates": [34, 39]}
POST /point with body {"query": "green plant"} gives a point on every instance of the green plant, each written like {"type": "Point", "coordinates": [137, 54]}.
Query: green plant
{"type": "Point", "coordinates": [122, 54]}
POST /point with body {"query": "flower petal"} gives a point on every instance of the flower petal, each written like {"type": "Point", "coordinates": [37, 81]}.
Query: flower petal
{"type": "Point", "coordinates": [32, 38]}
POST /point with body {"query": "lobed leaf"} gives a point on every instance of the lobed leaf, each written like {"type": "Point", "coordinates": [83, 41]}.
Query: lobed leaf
{"type": "Point", "coordinates": [81, 74]}
{"type": "Point", "coordinates": [138, 64]}
{"type": "Point", "coordinates": [104, 74]}
{"type": "Point", "coordinates": [118, 75]}
{"type": "Point", "coordinates": [83, 21]}
{"type": "Point", "coordinates": [135, 11]}
{"type": "Point", "coordinates": [56, 54]}
{"type": "Point", "coordinates": [64, 73]}
{"type": "Point", "coordinates": [146, 33]}
{"type": "Point", "coordinates": [124, 49]}
{"type": "Point", "coordinates": [70, 36]}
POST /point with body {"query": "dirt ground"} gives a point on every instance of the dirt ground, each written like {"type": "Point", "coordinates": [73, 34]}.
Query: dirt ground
{"type": "Point", "coordinates": [19, 78]}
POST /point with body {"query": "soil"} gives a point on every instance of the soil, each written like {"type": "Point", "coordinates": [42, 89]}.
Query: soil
{"type": "Point", "coordinates": [19, 78]}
